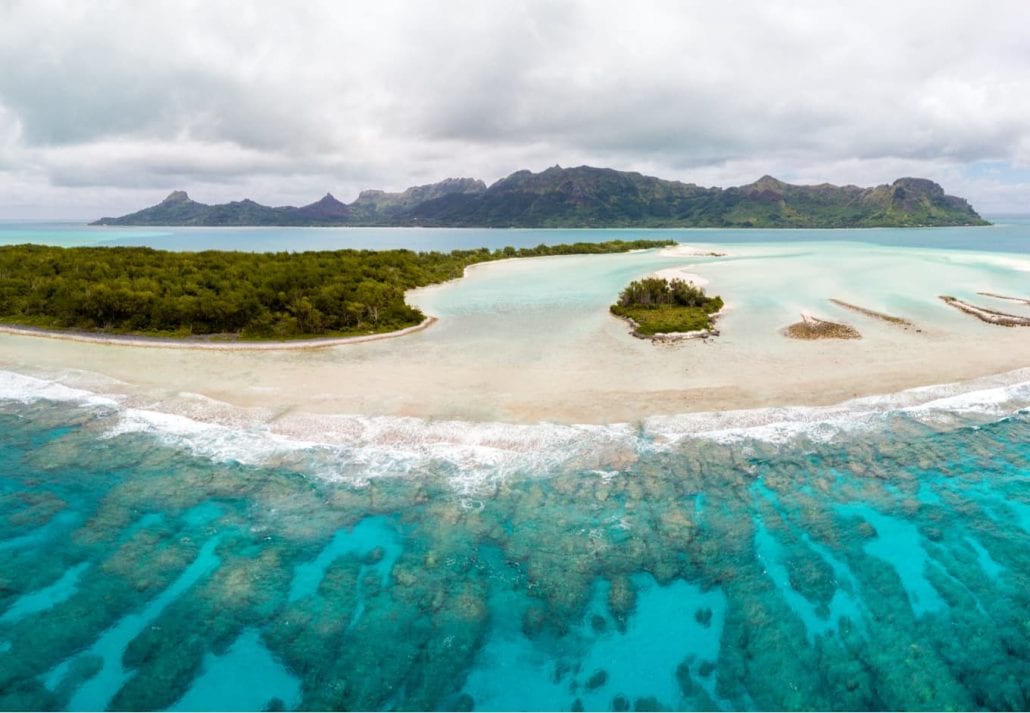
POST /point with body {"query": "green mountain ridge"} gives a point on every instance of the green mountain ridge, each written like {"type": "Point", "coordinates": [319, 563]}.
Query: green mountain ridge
{"type": "Point", "coordinates": [587, 197]}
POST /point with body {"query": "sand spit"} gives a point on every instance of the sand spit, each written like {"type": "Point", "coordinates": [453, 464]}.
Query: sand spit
{"type": "Point", "coordinates": [873, 313]}
{"type": "Point", "coordinates": [512, 347]}
{"type": "Point", "coordinates": [689, 251]}
{"type": "Point", "coordinates": [202, 343]}
{"type": "Point", "coordinates": [814, 328]}
{"type": "Point", "coordinates": [1020, 300]}
{"type": "Point", "coordinates": [987, 315]}
{"type": "Point", "coordinates": [681, 273]}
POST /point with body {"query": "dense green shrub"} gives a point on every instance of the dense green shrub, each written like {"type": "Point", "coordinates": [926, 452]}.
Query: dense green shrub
{"type": "Point", "coordinates": [652, 292]}
{"type": "Point", "coordinates": [659, 306]}
{"type": "Point", "coordinates": [256, 295]}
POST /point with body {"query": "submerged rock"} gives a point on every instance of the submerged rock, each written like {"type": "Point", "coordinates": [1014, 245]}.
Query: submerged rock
{"type": "Point", "coordinates": [622, 599]}
{"type": "Point", "coordinates": [597, 679]}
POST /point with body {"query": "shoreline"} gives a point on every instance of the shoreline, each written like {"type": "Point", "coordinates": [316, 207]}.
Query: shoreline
{"type": "Point", "coordinates": [129, 340]}
{"type": "Point", "coordinates": [553, 361]}
{"type": "Point", "coordinates": [481, 440]}
{"type": "Point", "coordinates": [225, 383]}
{"type": "Point", "coordinates": [511, 228]}
{"type": "Point", "coordinates": [142, 341]}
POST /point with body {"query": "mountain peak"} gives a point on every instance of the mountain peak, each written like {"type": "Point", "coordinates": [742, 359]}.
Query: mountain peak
{"type": "Point", "coordinates": [177, 197]}
{"type": "Point", "coordinates": [328, 199]}
{"type": "Point", "coordinates": [923, 185]}
{"type": "Point", "coordinates": [325, 208]}
{"type": "Point", "coordinates": [588, 197]}
{"type": "Point", "coordinates": [768, 183]}
{"type": "Point", "coordinates": [371, 194]}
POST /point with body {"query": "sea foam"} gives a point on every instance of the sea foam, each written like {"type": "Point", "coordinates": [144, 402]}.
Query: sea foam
{"type": "Point", "coordinates": [474, 455]}
{"type": "Point", "coordinates": [29, 389]}
{"type": "Point", "coordinates": [987, 398]}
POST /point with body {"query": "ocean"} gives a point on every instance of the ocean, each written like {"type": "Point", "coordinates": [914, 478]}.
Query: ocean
{"type": "Point", "coordinates": [869, 554]}
{"type": "Point", "coordinates": [1007, 234]}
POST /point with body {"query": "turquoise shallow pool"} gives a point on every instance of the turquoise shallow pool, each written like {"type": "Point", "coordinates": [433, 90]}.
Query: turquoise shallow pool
{"type": "Point", "coordinates": [161, 548]}
{"type": "Point", "coordinates": [888, 568]}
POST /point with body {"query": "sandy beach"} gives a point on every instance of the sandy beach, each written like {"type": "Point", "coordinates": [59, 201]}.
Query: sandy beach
{"type": "Point", "coordinates": [526, 341]}
{"type": "Point", "coordinates": [129, 340]}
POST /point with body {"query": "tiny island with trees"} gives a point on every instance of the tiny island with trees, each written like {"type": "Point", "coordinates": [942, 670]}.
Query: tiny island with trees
{"type": "Point", "coordinates": [657, 306]}
{"type": "Point", "coordinates": [220, 295]}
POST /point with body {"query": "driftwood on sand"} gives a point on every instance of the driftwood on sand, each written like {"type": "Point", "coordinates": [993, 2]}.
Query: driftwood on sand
{"type": "Point", "coordinates": [987, 315]}
{"type": "Point", "coordinates": [815, 328]}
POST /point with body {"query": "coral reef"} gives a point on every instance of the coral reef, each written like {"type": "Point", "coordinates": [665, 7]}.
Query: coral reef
{"type": "Point", "coordinates": [887, 569]}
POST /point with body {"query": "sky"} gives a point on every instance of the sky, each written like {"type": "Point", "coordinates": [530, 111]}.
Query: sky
{"type": "Point", "coordinates": [106, 107]}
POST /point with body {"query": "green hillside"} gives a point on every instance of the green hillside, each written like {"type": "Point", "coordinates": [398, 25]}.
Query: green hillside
{"type": "Point", "coordinates": [587, 197]}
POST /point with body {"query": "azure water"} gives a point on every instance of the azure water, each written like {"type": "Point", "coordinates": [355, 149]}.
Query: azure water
{"type": "Point", "coordinates": [885, 568]}
{"type": "Point", "coordinates": [163, 551]}
{"type": "Point", "coordinates": [1008, 234]}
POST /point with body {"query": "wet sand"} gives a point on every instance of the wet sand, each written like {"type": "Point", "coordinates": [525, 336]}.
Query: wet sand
{"type": "Point", "coordinates": [559, 358]}
{"type": "Point", "coordinates": [623, 379]}
{"type": "Point", "coordinates": [210, 343]}
{"type": "Point", "coordinates": [615, 387]}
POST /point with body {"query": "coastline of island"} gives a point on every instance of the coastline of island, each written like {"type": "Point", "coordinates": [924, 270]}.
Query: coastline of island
{"type": "Point", "coordinates": [578, 366]}
{"type": "Point", "coordinates": [526, 367]}
{"type": "Point", "coordinates": [662, 309]}
{"type": "Point", "coordinates": [220, 299]}
{"type": "Point", "coordinates": [589, 197]}
{"type": "Point", "coordinates": [211, 343]}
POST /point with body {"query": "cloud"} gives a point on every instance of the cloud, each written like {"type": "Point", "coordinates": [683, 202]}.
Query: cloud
{"type": "Point", "coordinates": [128, 99]}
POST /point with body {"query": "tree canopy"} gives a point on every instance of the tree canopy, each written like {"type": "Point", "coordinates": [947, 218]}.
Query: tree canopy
{"type": "Point", "coordinates": [658, 306]}
{"type": "Point", "coordinates": [282, 295]}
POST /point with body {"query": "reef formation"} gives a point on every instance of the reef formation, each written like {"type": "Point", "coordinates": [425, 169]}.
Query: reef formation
{"type": "Point", "coordinates": [884, 569]}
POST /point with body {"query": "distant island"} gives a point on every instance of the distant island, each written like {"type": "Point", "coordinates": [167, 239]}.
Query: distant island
{"type": "Point", "coordinates": [587, 197]}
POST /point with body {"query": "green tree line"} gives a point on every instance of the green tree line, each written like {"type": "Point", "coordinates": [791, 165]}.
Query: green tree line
{"type": "Point", "coordinates": [282, 295]}
{"type": "Point", "coordinates": [650, 292]}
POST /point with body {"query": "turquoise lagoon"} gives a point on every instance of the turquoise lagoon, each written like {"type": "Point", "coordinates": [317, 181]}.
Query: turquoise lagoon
{"type": "Point", "coordinates": [870, 555]}
{"type": "Point", "coordinates": [1008, 234]}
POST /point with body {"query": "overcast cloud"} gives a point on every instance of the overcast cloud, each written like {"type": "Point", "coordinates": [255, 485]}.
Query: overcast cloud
{"type": "Point", "coordinates": [107, 106]}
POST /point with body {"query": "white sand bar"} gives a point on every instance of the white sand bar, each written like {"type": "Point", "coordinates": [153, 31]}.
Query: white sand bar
{"type": "Point", "coordinates": [681, 273]}
{"type": "Point", "coordinates": [214, 345]}
{"type": "Point", "coordinates": [532, 340]}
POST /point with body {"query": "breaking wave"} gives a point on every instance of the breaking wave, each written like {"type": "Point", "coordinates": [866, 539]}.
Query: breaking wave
{"type": "Point", "coordinates": [356, 448]}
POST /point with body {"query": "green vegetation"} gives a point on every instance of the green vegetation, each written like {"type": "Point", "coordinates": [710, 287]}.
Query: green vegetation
{"type": "Point", "coordinates": [659, 306]}
{"type": "Point", "coordinates": [587, 197]}
{"type": "Point", "coordinates": [235, 294]}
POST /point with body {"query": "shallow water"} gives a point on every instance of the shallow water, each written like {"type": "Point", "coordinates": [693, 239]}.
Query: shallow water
{"type": "Point", "coordinates": [531, 340]}
{"type": "Point", "coordinates": [428, 523]}
{"type": "Point", "coordinates": [885, 566]}
{"type": "Point", "coordinates": [1007, 234]}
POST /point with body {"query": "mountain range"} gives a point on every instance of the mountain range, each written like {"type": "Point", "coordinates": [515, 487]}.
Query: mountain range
{"type": "Point", "coordinates": [587, 197]}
